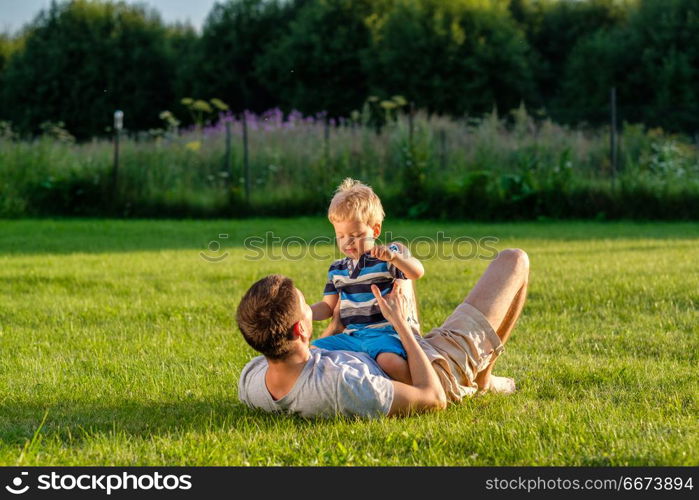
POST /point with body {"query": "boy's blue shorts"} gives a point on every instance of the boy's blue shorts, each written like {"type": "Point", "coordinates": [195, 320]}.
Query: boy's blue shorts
{"type": "Point", "coordinates": [372, 341]}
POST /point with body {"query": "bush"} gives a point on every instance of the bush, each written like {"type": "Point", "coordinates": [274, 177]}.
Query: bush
{"type": "Point", "coordinates": [483, 169]}
{"type": "Point", "coordinates": [68, 196]}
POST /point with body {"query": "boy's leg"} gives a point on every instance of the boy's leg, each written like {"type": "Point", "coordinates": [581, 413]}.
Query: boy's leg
{"type": "Point", "coordinates": [500, 295]}
{"type": "Point", "coordinates": [338, 342]}
{"type": "Point", "coordinates": [388, 351]}
{"type": "Point", "coordinates": [395, 367]}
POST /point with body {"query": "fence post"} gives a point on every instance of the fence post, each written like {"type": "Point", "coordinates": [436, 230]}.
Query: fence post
{"type": "Point", "coordinates": [443, 149]}
{"type": "Point", "coordinates": [227, 160]}
{"type": "Point", "coordinates": [118, 125]}
{"type": "Point", "coordinates": [411, 126]}
{"type": "Point", "coordinates": [246, 163]}
{"type": "Point", "coordinates": [613, 136]}
{"type": "Point", "coordinates": [326, 140]}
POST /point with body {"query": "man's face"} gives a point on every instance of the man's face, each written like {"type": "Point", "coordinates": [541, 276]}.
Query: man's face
{"type": "Point", "coordinates": [355, 238]}
{"type": "Point", "coordinates": [306, 317]}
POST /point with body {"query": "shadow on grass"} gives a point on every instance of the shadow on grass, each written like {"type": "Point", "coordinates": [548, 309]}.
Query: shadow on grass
{"type": "Point", "coordinates": [65, 236]}
{"type": "Point", "coordinates": [75, 422]}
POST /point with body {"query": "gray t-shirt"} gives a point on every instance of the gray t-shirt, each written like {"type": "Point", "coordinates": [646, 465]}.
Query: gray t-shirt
{"type": "Point", "coordinates": [331, 383]}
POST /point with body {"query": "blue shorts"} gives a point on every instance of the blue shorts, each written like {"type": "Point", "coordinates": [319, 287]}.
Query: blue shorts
{"type": "Point", "coordinates": [372, 341]}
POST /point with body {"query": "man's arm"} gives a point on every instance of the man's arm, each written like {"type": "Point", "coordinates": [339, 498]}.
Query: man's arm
{"type": "Point", "coordinates": [324, 309]}
{"type": "Point", "coordinates": [427, 392]}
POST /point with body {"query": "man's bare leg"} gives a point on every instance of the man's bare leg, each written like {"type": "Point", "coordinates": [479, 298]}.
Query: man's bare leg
{"type": "Point", "coordinates": [500, 295]}
{"type": "Point", "coordinates": [485, 380]}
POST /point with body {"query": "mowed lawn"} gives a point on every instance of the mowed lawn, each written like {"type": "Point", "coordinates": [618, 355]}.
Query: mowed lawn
{"type": "Point", "coordinates": [118, 346]}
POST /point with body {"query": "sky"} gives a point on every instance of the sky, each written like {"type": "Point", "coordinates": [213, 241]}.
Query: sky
{"type": "Point", "coordinates": [15, 13]}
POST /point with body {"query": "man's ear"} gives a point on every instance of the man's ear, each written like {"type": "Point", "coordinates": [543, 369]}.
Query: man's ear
{"type": "Point", "coordinates": [377, 230]}
{"type": "Point", "coordinates": [298, 329]}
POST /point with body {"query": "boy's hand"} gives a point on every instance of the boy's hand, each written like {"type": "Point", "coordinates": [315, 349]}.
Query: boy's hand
{"type": "Point", "coordinates": [382, 252]}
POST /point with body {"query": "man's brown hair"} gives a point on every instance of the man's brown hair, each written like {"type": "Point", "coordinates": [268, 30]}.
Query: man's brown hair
{"type": "Point", "coordinates": [267, 314]}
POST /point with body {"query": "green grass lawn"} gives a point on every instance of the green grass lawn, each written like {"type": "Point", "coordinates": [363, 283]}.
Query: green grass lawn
{"type": "Point", "coordinates": [119, 337]}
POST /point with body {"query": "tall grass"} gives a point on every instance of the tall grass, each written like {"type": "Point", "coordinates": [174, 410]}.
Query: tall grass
{"type": "Point", "coordinates": [487, 167]}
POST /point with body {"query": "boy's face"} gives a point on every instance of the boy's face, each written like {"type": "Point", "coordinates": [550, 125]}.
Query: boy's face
{"type": "Point", "coordinates": [355, 238]}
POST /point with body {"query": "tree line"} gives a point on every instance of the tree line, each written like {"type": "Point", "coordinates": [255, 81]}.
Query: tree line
{"type": "Point", "coordinates": [79, 60]}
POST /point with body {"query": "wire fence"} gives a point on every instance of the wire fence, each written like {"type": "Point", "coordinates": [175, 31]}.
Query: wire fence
{"type": "Point", "coordinates": [254, 147]}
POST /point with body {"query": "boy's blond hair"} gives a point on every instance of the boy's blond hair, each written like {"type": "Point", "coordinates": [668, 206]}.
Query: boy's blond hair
{"type": "Point", "coordinates": [355, 201]}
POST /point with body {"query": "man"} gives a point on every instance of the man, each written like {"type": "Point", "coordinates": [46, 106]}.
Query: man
{"type": "Point", "coordinates": [452, 361]}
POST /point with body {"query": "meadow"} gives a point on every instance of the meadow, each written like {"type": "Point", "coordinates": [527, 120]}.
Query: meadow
{"type": "Point", "coordinates": [517, 165]}
{"type": "Point", "coordinates": [119, 347]}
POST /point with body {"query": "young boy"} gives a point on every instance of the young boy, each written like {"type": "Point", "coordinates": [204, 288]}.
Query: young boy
{"type": "Point", "coordinates": [356, 214]}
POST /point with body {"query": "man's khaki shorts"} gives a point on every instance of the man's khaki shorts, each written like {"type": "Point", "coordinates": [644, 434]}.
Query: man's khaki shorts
{"type": "Point", "coordinates": [464, 345]}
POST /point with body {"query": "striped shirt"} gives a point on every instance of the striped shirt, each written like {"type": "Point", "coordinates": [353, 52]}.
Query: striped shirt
{"type": "Point", "coordinates": [352, 280]}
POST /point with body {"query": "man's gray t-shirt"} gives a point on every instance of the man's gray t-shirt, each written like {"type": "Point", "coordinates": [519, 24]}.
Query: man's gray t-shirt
{"type": "Point", "coordinates": [331, 383]}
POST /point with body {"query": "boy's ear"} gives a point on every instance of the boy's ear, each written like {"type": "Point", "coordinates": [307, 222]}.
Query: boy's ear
{"type": "Point", "coordinates": [377, 230]}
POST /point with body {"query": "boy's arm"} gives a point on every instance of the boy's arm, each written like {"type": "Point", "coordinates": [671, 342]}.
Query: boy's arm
{"type": "Point", "coordinates": [335, 325]}
{"type": "Point", "coordinates": [409, 265]}
{"type": "Point", "coordinates": [324, 309]}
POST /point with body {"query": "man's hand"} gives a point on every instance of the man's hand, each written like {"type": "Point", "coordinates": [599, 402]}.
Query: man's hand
{"type": "Point", "coordinates": [426, 392]}
{"type": "Point", "coordinates": [382, 252]}
{"type": "Point", "coordinates": [393, 306]}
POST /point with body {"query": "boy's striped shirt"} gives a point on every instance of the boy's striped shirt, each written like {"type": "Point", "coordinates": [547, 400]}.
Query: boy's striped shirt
{"type": "Point", "coordinates": [358, 306]}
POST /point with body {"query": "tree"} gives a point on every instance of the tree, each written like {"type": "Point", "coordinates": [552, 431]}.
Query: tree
{"type": "Point", "coordinates": [316, 65]}
{"type": "Point", "coordinates": [8, 46]}
{"type": "Point", "coordinates": [182, 43]}
{"type": "Point", "coordinates": [234, 38]}
{"type": "Point", "coordinates": [554, 27]}
{"type": "Point", "coordinates": [82, 60]}
{"type": "Point", "coordinates": [449, 56]}
{"type": "Point", "coordinates": [652, 60]}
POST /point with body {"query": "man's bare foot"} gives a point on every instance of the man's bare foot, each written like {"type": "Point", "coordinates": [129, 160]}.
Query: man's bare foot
{"type": "Point", "coordinates": [499, 385]}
